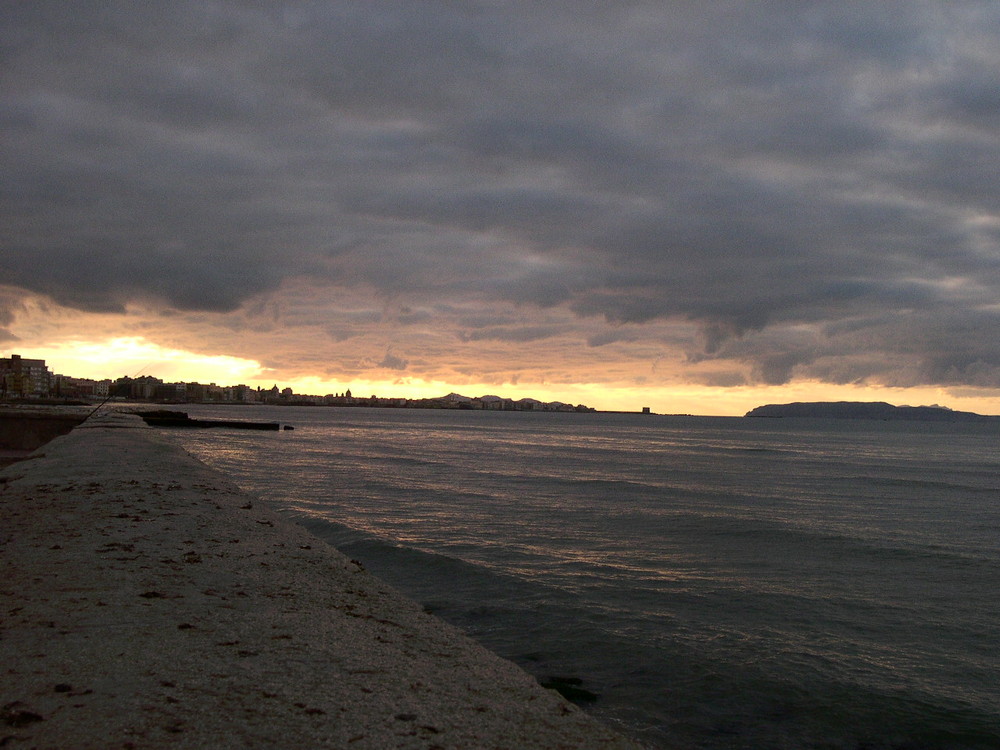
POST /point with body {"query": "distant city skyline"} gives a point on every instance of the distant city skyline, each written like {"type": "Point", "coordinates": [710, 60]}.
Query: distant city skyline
{"type": "Point", "coordinates": [322, 396]}
{"type": "Point", "coordinates": [699, 208]}
{"type": "Point", "coordinates": [25, 379]}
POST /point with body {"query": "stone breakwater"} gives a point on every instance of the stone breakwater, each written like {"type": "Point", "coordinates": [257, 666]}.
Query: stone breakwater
{"type": "Point", "coordinates": [148, 603]}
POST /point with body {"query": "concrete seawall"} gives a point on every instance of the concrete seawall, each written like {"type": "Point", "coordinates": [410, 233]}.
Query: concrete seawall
{"type": "Point", "coordinates": [148, 603]}
{"type": "Point", "coordinates": [24, 430]}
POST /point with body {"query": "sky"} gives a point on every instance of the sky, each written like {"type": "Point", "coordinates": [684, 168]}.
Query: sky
{"type": "Point", "coordinates": [696, 207]}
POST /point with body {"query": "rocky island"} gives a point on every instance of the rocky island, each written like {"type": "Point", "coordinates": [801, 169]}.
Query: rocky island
{"type": "Point", "coordinates": [866, 410]}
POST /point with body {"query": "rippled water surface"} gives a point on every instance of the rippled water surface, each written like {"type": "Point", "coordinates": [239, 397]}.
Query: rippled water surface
{"type": "Point", "coordinates": [712, 583]}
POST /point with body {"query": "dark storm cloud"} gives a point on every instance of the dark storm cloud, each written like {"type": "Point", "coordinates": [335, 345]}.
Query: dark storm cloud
{"type": "Point", "coordinates": [392, 362]}
{"type": "Point", "coordinates": [751, 168]}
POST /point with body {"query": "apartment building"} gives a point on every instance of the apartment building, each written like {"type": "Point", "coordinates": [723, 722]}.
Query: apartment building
{"type": "Point", "coordinates": [24, 378]}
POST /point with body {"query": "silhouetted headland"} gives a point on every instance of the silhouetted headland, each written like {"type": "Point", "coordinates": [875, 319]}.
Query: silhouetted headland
{"type": "Point", "coordinates": [866, 410]}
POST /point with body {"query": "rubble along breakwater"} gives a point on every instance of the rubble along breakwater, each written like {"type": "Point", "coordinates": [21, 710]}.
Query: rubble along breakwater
{"type": "Point", "coordinates": [148, 602]}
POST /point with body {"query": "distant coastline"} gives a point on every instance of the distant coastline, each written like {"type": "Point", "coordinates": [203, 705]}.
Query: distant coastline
{"type": "Point", "coordinates": [866, 410]}
{"type": "Point", "coordinates": [29, 381]}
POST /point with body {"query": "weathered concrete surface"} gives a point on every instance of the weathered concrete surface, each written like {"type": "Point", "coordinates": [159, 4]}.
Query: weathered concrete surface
{"type": "Point", "coordinates": [147, 603]}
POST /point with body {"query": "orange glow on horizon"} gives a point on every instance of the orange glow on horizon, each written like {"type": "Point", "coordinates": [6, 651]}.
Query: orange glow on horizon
{"type": "Point", "coordinates": [134, 356]}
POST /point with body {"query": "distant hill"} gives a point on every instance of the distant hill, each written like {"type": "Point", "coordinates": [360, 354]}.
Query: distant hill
{"type": "Point", "coordinates": [866, 410]}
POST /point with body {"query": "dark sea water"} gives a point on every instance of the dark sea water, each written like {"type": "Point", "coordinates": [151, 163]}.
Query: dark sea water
{"type": "Point", "coordinates": [711, 582]}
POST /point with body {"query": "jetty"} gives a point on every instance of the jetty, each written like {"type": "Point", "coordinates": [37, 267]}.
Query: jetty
{"type": "Point", "coordinates": [148, 602]}
{"type": "Point", "coordinates": [164, 418]}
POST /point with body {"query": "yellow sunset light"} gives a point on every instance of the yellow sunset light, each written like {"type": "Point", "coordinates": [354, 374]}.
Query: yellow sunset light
{"type": "Point", "coordinates": [134, 356]}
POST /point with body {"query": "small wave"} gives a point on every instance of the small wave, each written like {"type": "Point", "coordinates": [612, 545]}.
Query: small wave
{"type": "Point", "coordinates": [425, 572]}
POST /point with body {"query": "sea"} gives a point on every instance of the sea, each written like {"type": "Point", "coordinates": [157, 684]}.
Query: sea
{"type": "Point", "coordinates": [694, 582]}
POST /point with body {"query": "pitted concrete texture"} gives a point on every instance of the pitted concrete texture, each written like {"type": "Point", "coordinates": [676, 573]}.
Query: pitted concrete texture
{"type": "Point", "coordinates": [148, 603]}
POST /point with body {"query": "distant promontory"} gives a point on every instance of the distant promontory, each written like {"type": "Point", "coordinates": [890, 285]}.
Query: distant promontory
{"type": "Point", "coordinates": [866, 410]}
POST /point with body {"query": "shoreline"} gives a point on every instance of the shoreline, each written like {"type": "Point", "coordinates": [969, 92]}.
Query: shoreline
{"type": "Point", "coordinates": [149, 602]}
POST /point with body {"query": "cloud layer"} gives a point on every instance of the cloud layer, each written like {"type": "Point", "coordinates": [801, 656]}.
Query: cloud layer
{"type": "Point", "coordinates": [762, 191]}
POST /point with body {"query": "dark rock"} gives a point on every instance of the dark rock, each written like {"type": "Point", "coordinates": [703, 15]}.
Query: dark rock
{"type": "Point", "coordinates": [16, 716]}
